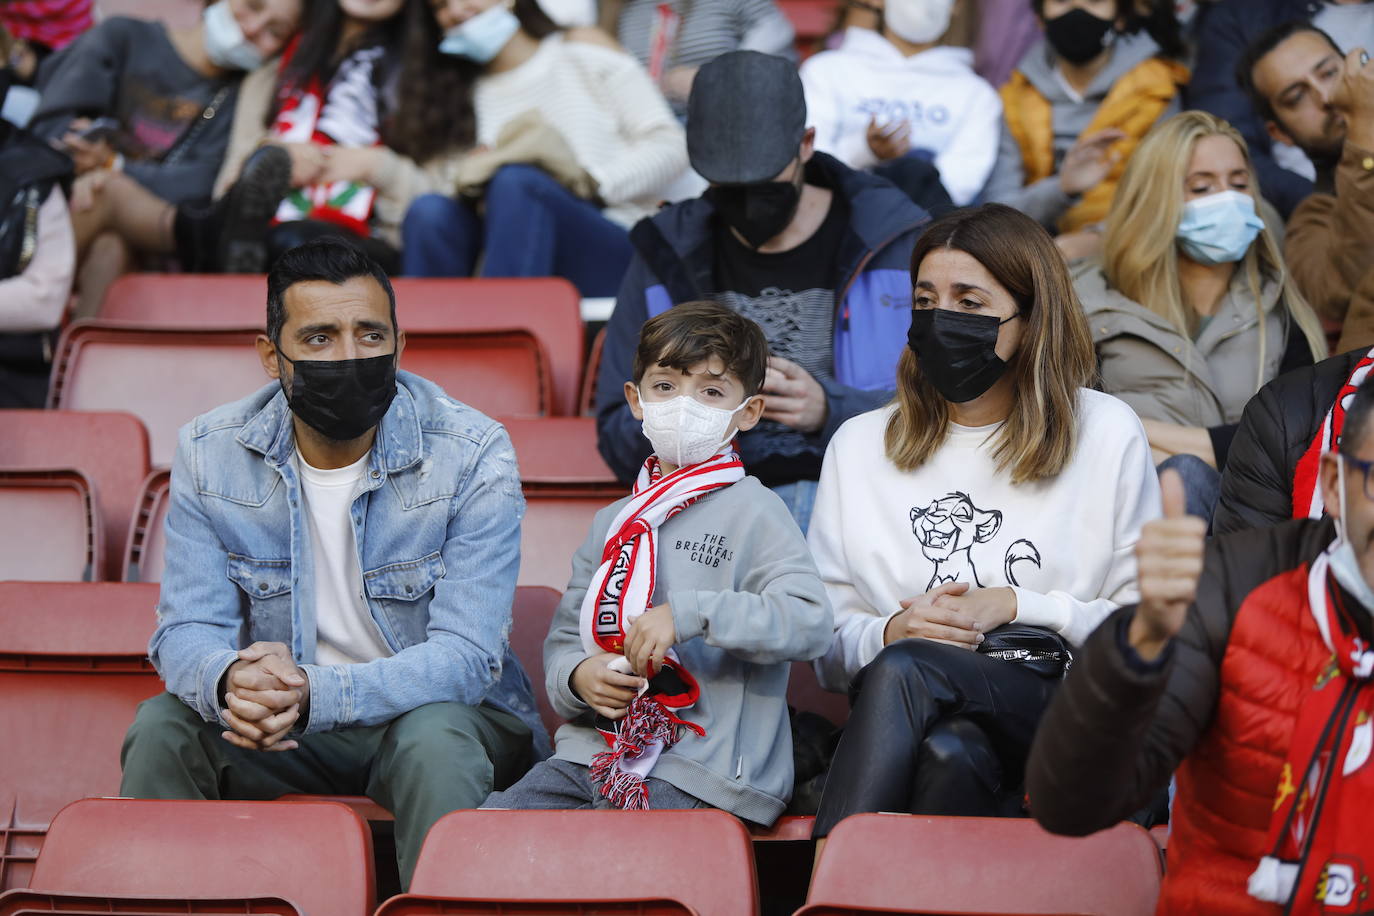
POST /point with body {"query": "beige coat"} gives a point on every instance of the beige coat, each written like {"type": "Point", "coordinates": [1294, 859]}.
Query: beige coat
{"type": "Point", "coordinates": [398, 180]}
{"type": "Point", "coordinates": [1164, 375]}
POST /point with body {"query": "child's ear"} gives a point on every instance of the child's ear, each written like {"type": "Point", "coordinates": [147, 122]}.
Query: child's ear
{"type": "Point", "coordinates": [632, 398]}
{"type": "Point", "coordinates": [749, 417]}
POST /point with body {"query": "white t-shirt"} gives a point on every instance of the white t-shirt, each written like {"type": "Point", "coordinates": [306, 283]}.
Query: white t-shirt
{"type": "Point", "coordinates": [953, 112]}
{"type": "Point", "coordinates": [1065, 545]}
{"type": "Point", "coordinates": [1350, 25]}
{"type": "Point", "coordinates": [345, 632]}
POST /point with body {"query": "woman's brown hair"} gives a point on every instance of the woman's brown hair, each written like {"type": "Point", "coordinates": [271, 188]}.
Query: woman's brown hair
{"type": "Point", "coordinates": [1055, 359]}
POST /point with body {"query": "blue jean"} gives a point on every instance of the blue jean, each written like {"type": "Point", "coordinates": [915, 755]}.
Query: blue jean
{"type": "Point", "coordinates": [1201, 484]}
{"type": "Point", "coordinates": [530, 226]}
{"type": "Point", "coordinates": [800, 497]}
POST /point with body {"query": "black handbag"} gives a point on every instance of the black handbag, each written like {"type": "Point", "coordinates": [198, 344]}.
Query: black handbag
{"type": "Point", "coordinates": [1042, 650]}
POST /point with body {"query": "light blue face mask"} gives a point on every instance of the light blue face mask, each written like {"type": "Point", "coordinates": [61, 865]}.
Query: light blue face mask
{"type": "Point", "coordinates": [483, 36]}
{"type": "Point", "coordinates": [224, 41]}
{"type": "Point", "coordinates": [1345, 566]}
{"type": "Point", "coordinates": [1218, 228]}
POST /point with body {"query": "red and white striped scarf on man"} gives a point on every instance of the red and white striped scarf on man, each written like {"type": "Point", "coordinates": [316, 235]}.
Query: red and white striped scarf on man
{"type": "Point", "coordinates": [1307, 487]}
{"type": "Point", "coordinates": [623, 588]}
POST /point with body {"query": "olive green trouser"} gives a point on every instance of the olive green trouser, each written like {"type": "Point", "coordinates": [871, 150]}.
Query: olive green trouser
{"type": "Point", "coordinates": [420, 766]}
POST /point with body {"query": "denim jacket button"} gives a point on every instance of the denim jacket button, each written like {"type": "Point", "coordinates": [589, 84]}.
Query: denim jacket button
{"type": "Point", "coordinates": [376, 474]}
{"type": "Point", "coordinates": [262, 586]}
{"type": "Point", "coordinates": [410, 589]}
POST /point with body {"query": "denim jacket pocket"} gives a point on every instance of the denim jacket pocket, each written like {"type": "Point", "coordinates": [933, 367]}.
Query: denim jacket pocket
{"type": "Point", "coordinates": [267, 586]}
{"type": "Point", "coordinates": [403, 591]}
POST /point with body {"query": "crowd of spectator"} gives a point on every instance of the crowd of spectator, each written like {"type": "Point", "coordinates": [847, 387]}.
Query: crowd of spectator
{"type": "Point", "coordinates": [982, 358]}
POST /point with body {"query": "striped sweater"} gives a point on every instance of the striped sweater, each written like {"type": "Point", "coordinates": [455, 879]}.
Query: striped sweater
{"type": "Point", "coordinates": [603, 103]}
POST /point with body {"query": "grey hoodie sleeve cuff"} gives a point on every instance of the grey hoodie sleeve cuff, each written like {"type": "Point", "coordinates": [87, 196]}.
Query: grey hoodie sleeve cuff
{"type": "Point", "coordinates": [559, 684]}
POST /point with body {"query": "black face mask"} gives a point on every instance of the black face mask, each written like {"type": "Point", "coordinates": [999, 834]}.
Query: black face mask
{"type": "Point", "coordinates": [756, 211]}
{"type": "Point", "coordinates": [1077, 36]}
{"type": "Point", "coordinates": [957, 351]}
{"type": "Point", "coordinates": [341, 398]}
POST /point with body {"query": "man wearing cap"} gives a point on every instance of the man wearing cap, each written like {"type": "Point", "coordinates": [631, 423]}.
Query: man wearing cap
{"type": "Point", "coordinates": [815, 252]}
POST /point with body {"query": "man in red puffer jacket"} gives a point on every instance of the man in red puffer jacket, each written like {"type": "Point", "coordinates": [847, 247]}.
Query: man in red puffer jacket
{"type": "Point", "coordinates": [1247, 666]}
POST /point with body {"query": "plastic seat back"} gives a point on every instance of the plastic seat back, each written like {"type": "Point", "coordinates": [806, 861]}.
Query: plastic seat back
{"type": "Point", "coordinates": [548, 308]}
{"type": "Point", "coordinates": [73, 669]}
{"type": "Point", "coordinates": [701, 859]}
{"type": "Point", "coordinates": [498, 372]}
{"type": "Point", "coordinates": [52, 530]}
{"type": "Point", "coordinates": [975, 866]}
{"type": "Point", "coordinates": [555, 525]}
{"type": "Point", "coordinates": [31, 903]}
{"type": "Point", "coordinates": [531, 616]}
{"type": "Point", "coordinates": [315, 854]}
{"type": "Point", "coordinates": [165, 378]}
{"type": "Point", "coordinates": [146, 544]}
{"type": "Point", "coordinates": [419, 905]}
{"type": "Point", "coordinates": [110, 448]}
{"type": "Point", "coordinates": [559, 454]}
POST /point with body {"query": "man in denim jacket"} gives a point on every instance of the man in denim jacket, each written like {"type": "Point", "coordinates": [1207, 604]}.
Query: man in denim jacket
{"type": "Point", "coordinates": [342, 549]}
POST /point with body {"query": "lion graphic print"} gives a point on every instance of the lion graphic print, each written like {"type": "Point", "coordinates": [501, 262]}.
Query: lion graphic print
{"type": "Point", "coordinates": [949, 529]}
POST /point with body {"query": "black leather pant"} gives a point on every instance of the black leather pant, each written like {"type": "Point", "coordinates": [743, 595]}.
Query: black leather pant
{"type": "Point", "coordinates": [934, 730]}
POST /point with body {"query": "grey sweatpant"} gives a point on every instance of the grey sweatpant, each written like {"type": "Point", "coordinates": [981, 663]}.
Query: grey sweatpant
{"type": "Point", "coordinates": [560, 784]}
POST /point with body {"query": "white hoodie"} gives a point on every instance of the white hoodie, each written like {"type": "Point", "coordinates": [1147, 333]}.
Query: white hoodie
{"type": "Point", "coordinates": [954, 113]}
{"type": "Point", "coordinates": [1065, 545]}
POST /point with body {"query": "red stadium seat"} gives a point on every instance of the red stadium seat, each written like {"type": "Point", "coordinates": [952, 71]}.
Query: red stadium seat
{"type": "Point", "coordinates": [52, 530]}
{"type": "Point", "coordinates": [559, 453]}
{"type": "Point", "coordinates": [975, 866]}
{"type": "Point", "coordinates": [419, 905]}
{"type": "Point", "coordinates": [555, 525]}
{"type": "Point", "coordinates": [587, 398]}
{"type": "Point", "coordinates": [805, 694]}
{"type": "Point", "coordinates": [31, 903]}
{"type": "Point", "coordinates": [167, 376]}
{"type": "Point", "coordinates": [698, 859]}
{"type": "Point", "coordinates": [316, 854]}
{"type": "Point", "coordinates": [531, 616]}
{"type": "Point", "coordinates": [549, 308]}
{"type": "Point", "coordinates": [145, 544]}
{"type": "Point", "coordinates": [812, 20]}
{"type": "Point", "coordinates": [110, 448]}
{"type": "Point", "coordinates": [73, 668]}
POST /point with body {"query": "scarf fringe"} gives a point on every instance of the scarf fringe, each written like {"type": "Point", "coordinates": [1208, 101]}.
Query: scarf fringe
{"type": "Point", "coordinates": [646, 724]}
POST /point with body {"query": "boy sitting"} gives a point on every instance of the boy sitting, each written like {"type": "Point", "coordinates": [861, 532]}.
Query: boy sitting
{"type": "Point", "coordinates": [669, 654]}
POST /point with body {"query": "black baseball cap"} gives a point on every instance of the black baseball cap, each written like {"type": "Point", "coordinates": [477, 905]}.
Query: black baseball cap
{"type": "Point", "coordinates": [745, 117]}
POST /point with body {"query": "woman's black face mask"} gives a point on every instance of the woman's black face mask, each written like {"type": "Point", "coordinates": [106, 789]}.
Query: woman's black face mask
{"type": "Point", "coordinates": [341, 399]}
{"type": "Point", "coordinates": [957, 351]}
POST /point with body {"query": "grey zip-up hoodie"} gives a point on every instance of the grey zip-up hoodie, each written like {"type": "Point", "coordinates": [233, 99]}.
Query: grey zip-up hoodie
{"type": "Point", "coordinates": [1044, 201]}
{"type": "Point", "coordinates": [747, 602]}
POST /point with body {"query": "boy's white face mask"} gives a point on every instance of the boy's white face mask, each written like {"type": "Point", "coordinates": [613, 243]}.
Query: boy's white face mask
{"type": "Point", "coordinates": [685, 431]}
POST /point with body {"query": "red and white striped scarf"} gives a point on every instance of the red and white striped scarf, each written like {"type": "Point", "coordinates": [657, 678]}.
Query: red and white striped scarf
{"type": "Point", "coordinates": [620, 590]}
{"type": "Point", "coordinates": [1307, 486]}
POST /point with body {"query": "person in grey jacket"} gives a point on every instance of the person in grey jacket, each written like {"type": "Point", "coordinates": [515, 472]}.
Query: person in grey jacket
{"type": "Point", "coordinates": [687, 602]}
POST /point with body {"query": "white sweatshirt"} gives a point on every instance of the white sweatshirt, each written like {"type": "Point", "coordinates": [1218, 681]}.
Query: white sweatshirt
{"type": "Point", "coordinates": [1065, 545]}
{"type": "Point", "coordinates": [604, 104]}
{"type": "Point", "coordinates": [954, 113]}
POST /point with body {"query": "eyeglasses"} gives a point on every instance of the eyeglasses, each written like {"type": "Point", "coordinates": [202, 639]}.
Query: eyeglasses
{"type": "Point", "coordinates": [1363, 467]}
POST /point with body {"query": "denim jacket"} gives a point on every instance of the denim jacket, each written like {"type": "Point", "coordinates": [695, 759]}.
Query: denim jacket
{"type": "Point", "coordinates": [438, 534]}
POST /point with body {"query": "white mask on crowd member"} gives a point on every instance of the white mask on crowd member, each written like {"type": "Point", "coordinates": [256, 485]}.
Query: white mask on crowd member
{"type": "Point", "coordinates": [483, 36]}
{"type": "Point", "coordinates": [1219, 228]}
{"type": "Point", "coordinates": [224, 41]}
{"type": "Point", "coordinates": [1345, 566]}
{"type": "Point", "coordinates": [570, 14]}
{"type": "Point", "coordinates": [918, 21]}
{"type": "Point", "coordinates": [685, 431]}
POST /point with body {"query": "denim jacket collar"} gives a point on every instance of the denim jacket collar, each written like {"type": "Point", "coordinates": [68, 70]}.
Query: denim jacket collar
{"type": "Point", "coordinates": [398, 446]}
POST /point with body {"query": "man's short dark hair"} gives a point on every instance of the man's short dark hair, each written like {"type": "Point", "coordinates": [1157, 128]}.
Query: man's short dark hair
{"type": "Point", "coordinates": [1357, 417]}
{"type": "Point", "coordinates": [693, 332]}
{"type": "Point", "coordinates": [1265, 42]}
{"type": "Point", "coordinates": [333, 259]}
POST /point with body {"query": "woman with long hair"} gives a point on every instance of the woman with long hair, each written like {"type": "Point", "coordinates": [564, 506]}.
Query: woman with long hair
{"type": "Point", "coordinates": [975, 529]}
{"type": "Point", "coordinates": [1191, 307]}
{"type": "Point", "coordinates": [575, 145]}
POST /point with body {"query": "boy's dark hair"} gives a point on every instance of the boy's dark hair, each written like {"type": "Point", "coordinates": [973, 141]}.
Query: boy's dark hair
{"type": "Point", "coordinates": [1357, 419]}
{"type": "Point", "coordinates": [1265, 42]}
{"type": "Point", "coordinates": [334, 259]}
{"type": "Point", "coordinates": [692, 332]}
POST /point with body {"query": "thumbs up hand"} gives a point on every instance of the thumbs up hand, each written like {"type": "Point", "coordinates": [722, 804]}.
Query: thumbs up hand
{"type": "Point", "coordinates": [1169, 562]}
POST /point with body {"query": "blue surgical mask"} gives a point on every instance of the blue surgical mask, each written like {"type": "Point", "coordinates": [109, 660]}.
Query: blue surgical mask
{"type": "Point", "coordinates": [1345, 566]}
{"type": "Point", "coordinates": [1219, 228]}
{"type": "Point", "coordinates": [483, 36]}
{"type": "Point", "coordinates": [224, 41]}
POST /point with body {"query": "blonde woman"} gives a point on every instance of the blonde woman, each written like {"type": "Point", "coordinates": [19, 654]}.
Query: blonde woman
{"type": "Point", "coordinates": [996, 489]}
{"type": "Point", "coordinates": [1191, 307]}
